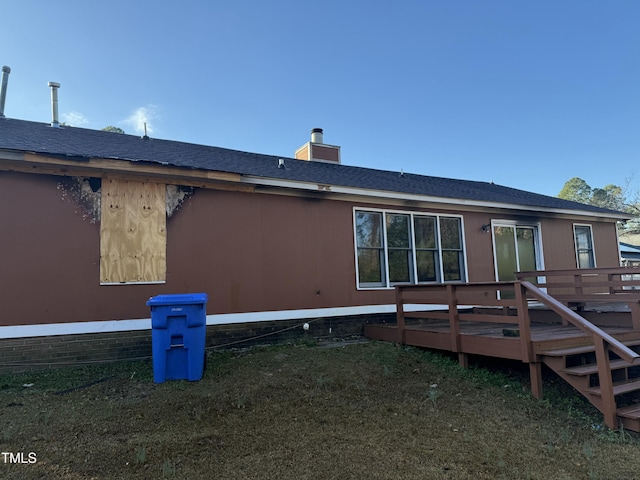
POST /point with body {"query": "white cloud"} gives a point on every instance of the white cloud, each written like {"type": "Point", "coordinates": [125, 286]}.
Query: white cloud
{"type": "Point", "coordinates": [142, 116]}
{"type": "Point", "coordinates": [75, 119]}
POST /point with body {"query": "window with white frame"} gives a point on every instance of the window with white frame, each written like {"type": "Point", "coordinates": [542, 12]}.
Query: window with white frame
{"type": "Point", "coordinates": [399, 251]}
{"type": "Point", "coordinates": [583, 237]}
{"type": "Point", "coordinates": [370, 249]}
{"type": "Point", "coordinates": [406, 247]}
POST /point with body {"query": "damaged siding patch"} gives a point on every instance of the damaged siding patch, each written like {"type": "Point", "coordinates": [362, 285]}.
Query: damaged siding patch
{"type": "Point", "coordinates": [84, 192]}
{"type": "Point", "coordinates": [176, 195]}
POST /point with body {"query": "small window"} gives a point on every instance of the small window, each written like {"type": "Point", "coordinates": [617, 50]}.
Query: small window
{"type": "Point", "coordinates": [584, 246]}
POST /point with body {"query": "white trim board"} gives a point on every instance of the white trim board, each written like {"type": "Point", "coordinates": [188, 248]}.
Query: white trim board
{"type": "Point", "coordinates": [110, 326]}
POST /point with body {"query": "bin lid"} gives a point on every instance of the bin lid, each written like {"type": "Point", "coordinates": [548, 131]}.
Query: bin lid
{"type": "Point", "coordinates": [178, 299]}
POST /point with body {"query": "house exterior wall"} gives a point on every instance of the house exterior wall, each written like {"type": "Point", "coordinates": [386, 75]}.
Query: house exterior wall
{"type": "Point", "coordinates": [252, 253]}
{"type": "Point", "coordinates": [559, 246]}
{"type": "Point", "coordinates": [249, 252]}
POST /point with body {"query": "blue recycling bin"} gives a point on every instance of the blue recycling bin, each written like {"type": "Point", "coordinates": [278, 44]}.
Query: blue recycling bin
{"type": "Point", "coordinates": [178, 336]}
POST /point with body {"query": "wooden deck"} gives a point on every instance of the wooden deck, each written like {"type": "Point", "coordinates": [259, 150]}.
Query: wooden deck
{"type": "Point", "coordinates": [510, 320]}
{"type": "Point", "coordinates": [492, 339]}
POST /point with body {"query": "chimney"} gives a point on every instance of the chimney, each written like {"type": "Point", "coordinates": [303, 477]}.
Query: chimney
{"type": "Point", "coordinates": [317, 151]}
{"type": "Point", "coordinates": [316, 135]}
{"type": "Point", "coordinates": [3, 89]}
{"type": "Point", "coordinates": [54, 104]}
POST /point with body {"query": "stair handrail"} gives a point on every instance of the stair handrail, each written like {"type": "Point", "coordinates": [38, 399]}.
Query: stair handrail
{"type": "Point", "coordinates": [582, 323]}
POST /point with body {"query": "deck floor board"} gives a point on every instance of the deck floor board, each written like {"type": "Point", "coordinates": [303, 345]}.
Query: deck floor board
{"type": "Point", "coordinates": [488, 332]}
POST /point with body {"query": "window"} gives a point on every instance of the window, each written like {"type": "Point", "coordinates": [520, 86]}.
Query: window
{"type": "Point", "coordinates": [452, 258]}
{"type": "Point", "coordinates": [584, 246]}
{"type": "Point", "coordinates": [399, 247]}
{"type": "Point", "coordinates": [426, 244]}
{"type": "Point", "coordinates": [370, 249]}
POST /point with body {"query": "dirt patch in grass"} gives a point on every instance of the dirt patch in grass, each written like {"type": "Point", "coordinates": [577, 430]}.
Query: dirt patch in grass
{"type": "Point", "coordinates": [365, 411]}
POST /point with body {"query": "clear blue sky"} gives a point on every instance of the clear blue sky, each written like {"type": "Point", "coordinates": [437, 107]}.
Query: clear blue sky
{"type": "Point", "coordinates": [525, 94]}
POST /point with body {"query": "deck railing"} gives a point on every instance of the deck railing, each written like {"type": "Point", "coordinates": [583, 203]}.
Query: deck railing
{"type": "Point", "coordinates": [586, 281]}
{"type": "Point", "coordinates": [511, 299]}
{"type": "Point", "coordinates": [501, 301]}
{"type": "Point", "coordinates": [591, 285]}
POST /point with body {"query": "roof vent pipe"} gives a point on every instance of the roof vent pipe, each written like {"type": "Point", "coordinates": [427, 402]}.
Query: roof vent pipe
{"type": "Point", "coordinates": [54, 104]}
{"type": "Point", "coordinates": [3, 89]}
{"type": "Point", "coordinates": [316, 135]}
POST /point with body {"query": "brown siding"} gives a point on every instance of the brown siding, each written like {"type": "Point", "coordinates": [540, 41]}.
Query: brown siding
{"type": "Point", "coordinates": [559, 250]}
{"type": "Point", "coordinates": [320, 152]}
{"type": "Point", "coordinates": [559, 245]}
{"type": "Point", "coordinates": [303, 153]}
{"type": "Point", "coordinates": [247, 251]}
{"type": "Point", "coordinates": [479, 247]}
{"type": "Point", "coordinates": [266, 252]}
{"type": "Point", "coordinates": [604, 235]}
{"type": "Point", "coordinates": [50, 259]}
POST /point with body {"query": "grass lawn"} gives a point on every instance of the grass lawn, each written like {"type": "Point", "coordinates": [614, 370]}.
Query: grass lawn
{"type": "Point", "coordinates": [362, 411]}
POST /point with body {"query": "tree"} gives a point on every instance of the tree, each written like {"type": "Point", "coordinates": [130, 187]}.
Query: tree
{"type": "Point", "coordinates": [610, 196]}
{"type": "Point", "coordinates": [576, 190]}
{"type": "Point", "coordinates": [113, 129]}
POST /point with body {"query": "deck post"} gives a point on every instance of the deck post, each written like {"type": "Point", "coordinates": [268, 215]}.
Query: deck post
{"type": "Point", "coordinates": [577, 285]}
{"type": "Point", "coordinates": [635, 314]}
{"type": "Point", "coordinates": [535, 367]}
{"type": "Point", "coordinates": [612, 289]}
{"type": "Point", "coordinates": [524, 323]}
{"type": "Point", "coordinates": [400, 316]}
{"type": "Point", "coordinates": [609, 407]}
{"type": "Point", "coordinates": [577, 279]}
{"type": "Point", "coordinates": [463, 360]}
{"type": "Point", "coordinates": [535, 374]}
{"type": "Point", "coordinates": [454, 318]}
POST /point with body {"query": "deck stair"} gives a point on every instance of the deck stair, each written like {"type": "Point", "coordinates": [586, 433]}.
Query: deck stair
{"type": "Point", "coordinates": [578, 366]}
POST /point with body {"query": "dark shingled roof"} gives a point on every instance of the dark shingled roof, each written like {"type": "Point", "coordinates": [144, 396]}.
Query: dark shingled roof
{"type": "Point", "coordinates": [80, 143]}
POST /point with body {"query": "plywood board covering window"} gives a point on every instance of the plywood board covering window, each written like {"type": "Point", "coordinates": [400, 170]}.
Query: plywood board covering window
{"type": "Point", "coordinates": [133, 232]}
